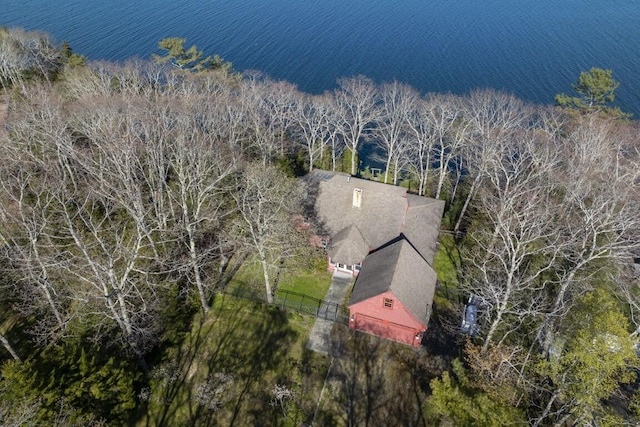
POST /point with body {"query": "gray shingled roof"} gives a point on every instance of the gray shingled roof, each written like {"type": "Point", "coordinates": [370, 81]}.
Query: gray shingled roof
{"type": "Point", "coordinates": [379, 217]}
{"type": "Point", "coordinates": [422, 224]}
{"type": "Point", "coordinates": [348, 246]}
{"type": "Point", "coordinates": [385, 212]}
{"type": "Point", "coordinates": [398, 268]}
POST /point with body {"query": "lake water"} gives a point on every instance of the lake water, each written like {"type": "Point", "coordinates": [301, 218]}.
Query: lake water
{"type": "Point", "coordinates": [533, 49]}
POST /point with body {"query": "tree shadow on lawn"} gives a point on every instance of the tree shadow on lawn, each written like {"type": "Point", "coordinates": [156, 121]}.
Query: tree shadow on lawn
{"type": "Point", "coordinates": [373, 380]}
{"type": "Point", "coordinates": [175, 376]}
{"type": "Point", "coordinates": [248, 341]}
{"type": "Point", "coordinates": [443, 338]}
{"type": "Point", "coordinates": [261, 353]}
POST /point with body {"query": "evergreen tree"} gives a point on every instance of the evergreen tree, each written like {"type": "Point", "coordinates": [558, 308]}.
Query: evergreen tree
{"type": "Point", "coordinates": [596, 89]}
{"type": "Point", "coordinates": [454, 398]}
{"type": "Point", "coordinates": [190, 59]}
{"type": "Point", "coordinates": [69, 57]}
{"type": "Point", "coordinates": [594, 356]}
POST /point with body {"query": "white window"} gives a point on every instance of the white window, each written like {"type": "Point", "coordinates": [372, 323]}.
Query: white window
{"type": "Point", "coordinates": [388, 303]}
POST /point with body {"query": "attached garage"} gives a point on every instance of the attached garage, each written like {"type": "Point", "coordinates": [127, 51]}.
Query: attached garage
{"type": "Point", "coordinates": [369, 324]}
{"type": "Point", "coordinates": [393, 302]}
{"type": "Point", "coordinates": [404, 334]}
{"type": "Point", "coordinates": [385, 328]}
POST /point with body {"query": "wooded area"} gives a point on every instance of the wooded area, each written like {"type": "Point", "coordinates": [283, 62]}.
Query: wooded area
{"type": "Point", "coordinates": [126, 190]}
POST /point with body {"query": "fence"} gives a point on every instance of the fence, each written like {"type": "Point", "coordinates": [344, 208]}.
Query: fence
{"type": "Point", "coordinates": [296, 301]}
{"type": "Point", "coordinates": [306, 304]}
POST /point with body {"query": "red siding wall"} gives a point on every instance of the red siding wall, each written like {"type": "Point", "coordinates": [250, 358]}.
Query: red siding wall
{"type": "Point", "coordinates": [395, 323]}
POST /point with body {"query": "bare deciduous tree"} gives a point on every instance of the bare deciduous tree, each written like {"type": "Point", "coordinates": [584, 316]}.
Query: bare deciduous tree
{"type": "Point", "coordinates": [599, 222]}
{"type": "Point", "coordinates": [451, 134]}
{"type": "Point", "coordinates": [282, 395]}
{"type": "Point", "coordinates": [280, 100]}
{"type": "Point", "coordinates": [92, 245]}
{"type": "Point", "coordinates": [356, 104]}
{"type": "Point", "coordinates": [265, 200]}
{"type": "Point", "coordinates": [310, 117]}
{"type": "Point", "coordinates": [391, 132]}
{"type": "Point", "coordinates": [26, 231]}
{"type": "Point", "coordinates": [24, 54]}
{"type": "Point", "coordinates": [36, 155]}
{"type": "Point", "coordinates": [493, 117]}
{"type": "Point", "coordinates": [257, 111]}
{"type": "Point", "coordinates": [7, 345]}
{"type": "Point", "coordinates": [419, 153]}
{"type": "Point", "coordinates": [201, 169]}
{"type": "Point", "coordinates": [332, 132]}
{"type": "Point", "coordinates": [515, 241]}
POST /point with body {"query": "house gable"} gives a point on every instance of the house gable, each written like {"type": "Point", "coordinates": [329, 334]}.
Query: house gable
{"type": "Point", "coordinates": [399, 313]}
{"type": "Point", "coordinates": [400, 269]}
{"type": "Point", "coordinates": [386, 316]}
{"type": "Point", "coordinates": [348, 246]}
{"type": "Point", "coordinates": [421, 224]}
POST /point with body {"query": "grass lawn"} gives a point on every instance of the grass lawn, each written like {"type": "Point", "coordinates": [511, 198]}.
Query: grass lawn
{"type": "Point", "coordinates": [313, 282]}
{"type": "Point", "coordinates": [228, 365]}
{"type": "Point", "coordinates": [446, 263]}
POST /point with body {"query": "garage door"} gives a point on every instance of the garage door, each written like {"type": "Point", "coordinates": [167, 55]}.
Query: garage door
{"type": "Point", "coordinates": [401, 333]}
{"type": "Point", "coordinates": [370, 325]}
{"type": "Point", "coordinates": [389, 330]}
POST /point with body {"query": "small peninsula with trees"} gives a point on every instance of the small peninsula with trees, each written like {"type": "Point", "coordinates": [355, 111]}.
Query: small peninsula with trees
{"type": "Point", "coordinates": [153, 272]}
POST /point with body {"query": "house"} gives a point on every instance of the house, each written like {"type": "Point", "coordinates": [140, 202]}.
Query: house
{"type": "Point", "coordinates": [392, 295]}
{"type": "Point", "coordinates": [386, 238]}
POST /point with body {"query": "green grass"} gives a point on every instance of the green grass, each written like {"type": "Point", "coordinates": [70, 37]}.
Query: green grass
{"type": "Point", "coordinates": [248, 275]}
{"type": "Point", "coordinates": [313, 280]}
{"type": "Point", "coordinates": [446, 263]}
{"type": "Point", "coordinates": [314, 284]}
{"type": "Point", "coordinates": [257, 346]}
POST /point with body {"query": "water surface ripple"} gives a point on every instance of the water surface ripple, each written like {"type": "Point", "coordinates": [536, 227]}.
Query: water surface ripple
{"type": "Point", "coordinates": [533, 49]}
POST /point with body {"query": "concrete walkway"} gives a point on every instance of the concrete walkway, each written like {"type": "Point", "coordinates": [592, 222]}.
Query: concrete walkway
{"type": "Point", "coordinates": [320, 336]}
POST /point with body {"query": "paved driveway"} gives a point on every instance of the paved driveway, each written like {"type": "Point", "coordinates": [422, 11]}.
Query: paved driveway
{"type": "Point", "coordinates": [320, 336]}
